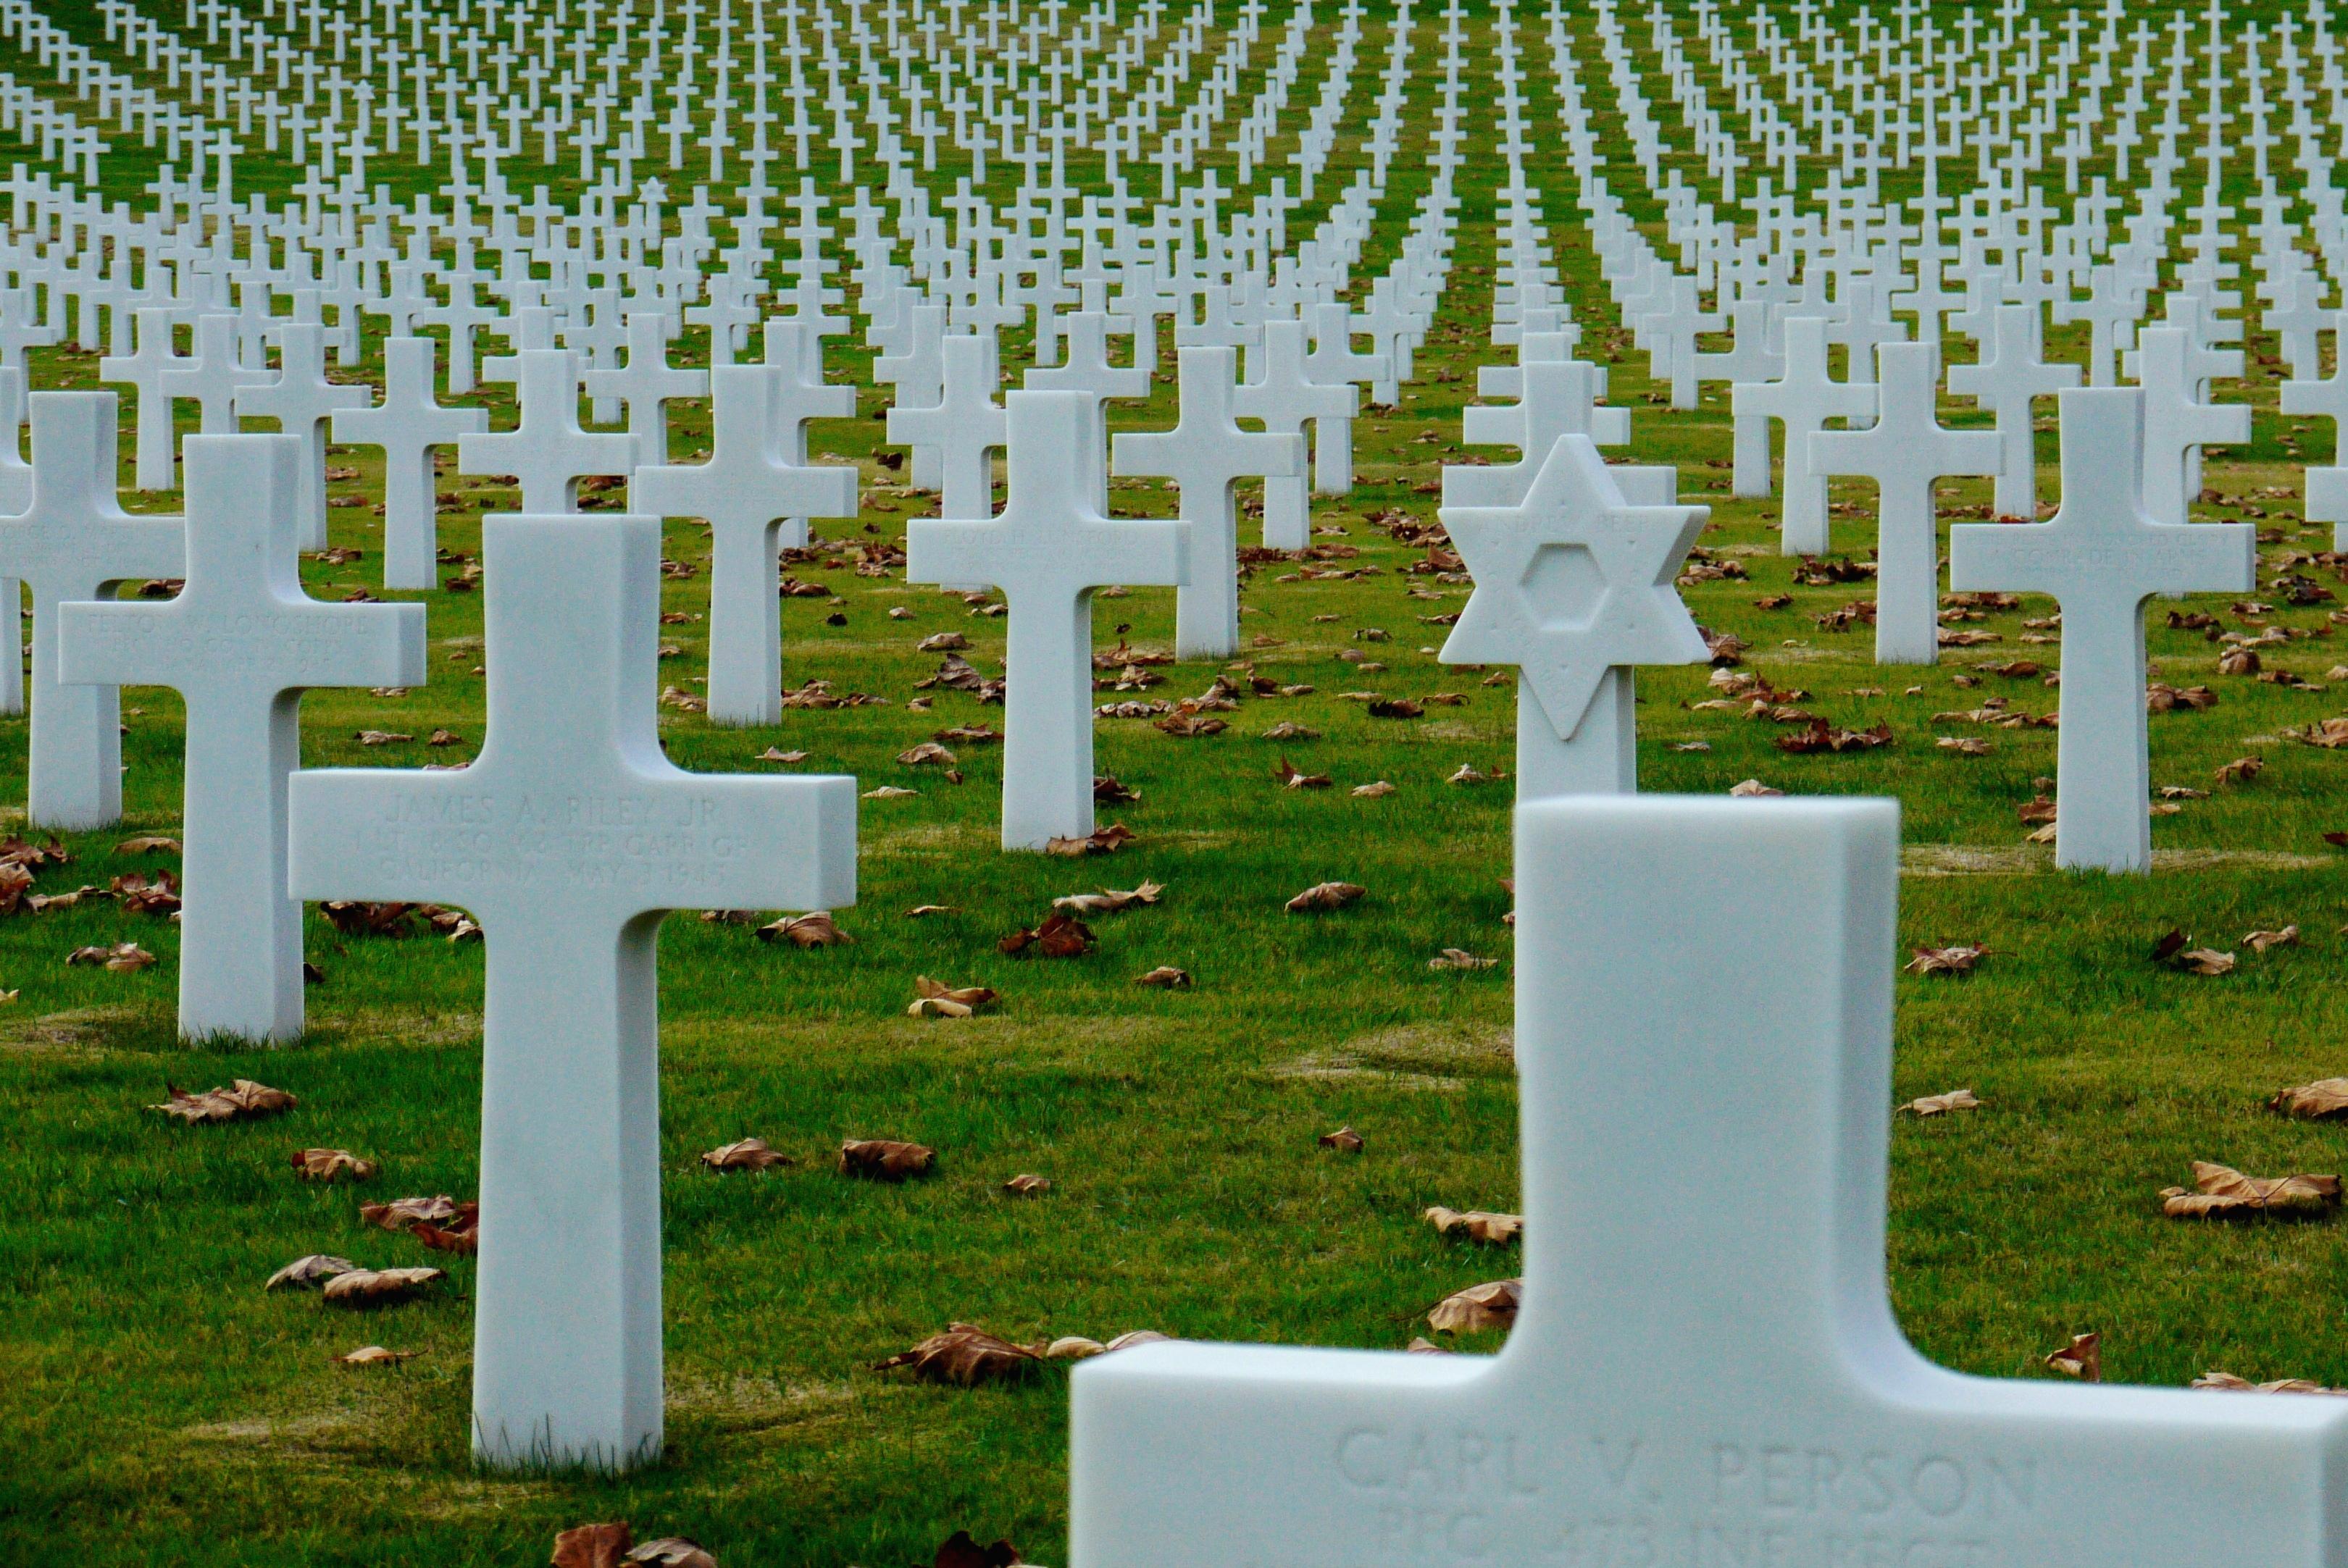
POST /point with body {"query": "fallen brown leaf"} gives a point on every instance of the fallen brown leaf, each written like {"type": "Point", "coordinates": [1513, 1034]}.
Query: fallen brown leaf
{"type": "Point", "coordinates": [1822, 736]}
{"type": "Point", "coordinates": [374, 1356]}
{"type": "Point", "coordinates": [378, 1286]}
{"type": "Point", "coordinates": [773, 755]}
{"type": "Point", "coordinates": [1460, 958]}
{"type": "Point", "coordinates": [1026, 1186]}
{"type": "Point", "coordinates": [2317, 1101]}
{"type": "Point", "coordinates": [814, 929]}
{"type": "Point", "coordinates": [1942, 1104]}
{"type": "Point", "coordinates": [884, 1159]}
{"type": "Point", "coordinates": [315, 1268]}
{"type": "Point", "coordinates": [1073, 1347]}
{"type": "Point", "coordinates": [1291, 779]}
{"type": "Point", "coordinates": [1325, 895]}
{"type": "Point", "coordinates": [592, 1546]}
{"type": "Point", "coordinates": [120, 958]}
{"type": "Point", "coordinates": [1166, 975]}
{"type": "Point", "coordinates": [246, 1101]}
{"type": "Point", "coordinates": [1344, 1140]}
{"type": "Point", "coordinates": [1102, 841]}
{"type": "Point", "coordinates": [921, 911]}
{"type": "Point", "coordinates": [325, 1165]}
{"type": "Point", "coordinates": [2082, 1358]}
{"type": "Point", "coordinates": [1478, 1224]}
{"type": "Point", "coordinates": [1492, 1306]}
{"type": "Point", "coordinates": [2241, 770]}
{"type": "Point", "coordinates": [928, 754]}
{"type": "Point", "coordinates": [1372, 790]}
{"type": "Point", "coordinates": [746, 1154]}
{"type": "Point", "coordinates": [1109, 900]}
{"type": "Point", "coordinates": [671, 1551]}
{"type": "Point", "coordinates": [2226, 1382]}
{"type": "Point", "coordinates": [1956, 960]}
{"type": "Point", "coordinates": [2261, 941]}
{"type": "Point", "coordinates": [1061, 935]}
{"type": "Point", "coordinates": [463, 1237]}
{"type": "Point", "coordinates": [148, 844]}
{"type": "Point", "coordinates": [2222, 1191]}
{"type": "Point", "coordinates": [965, 1355]}
{"type": "Point", "coordinates": [401, 1213]}
{"type": "Point", "coordinates": [961, 1552]}
{"type": "Point", "coordinates": [934, 1000]}
{"type": "Point", "coordinates": [382, 737]}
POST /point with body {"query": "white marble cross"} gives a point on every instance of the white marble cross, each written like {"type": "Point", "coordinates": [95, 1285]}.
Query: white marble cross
{"type": "Point", "coordinates": [1283, 394]}
{"type": "Point", "coordinates": [1803, 400]}
{"type": "Point", "coordinates": [2101, 556]}
{"type": "Point", "coordinates": [647, 385]}
{"type": "Point", "coordinates": [2176, 423]}
{"type": "Point", "coordinates": [1711, 1376]}
{"type": "Point", "coordinates": [745, 490]}
{"type": "Point", "coordinates": [73, 541]}
{"type": "Point", "coordinates": [240, 643]}
{"type": "Point", "coordinates": [213, 379]}
{"type": "Point", "coordinates": [408, 424]}
{"type": "Point", "coordinates": [1574, 586]}
{"type": "Point", "coordinates": [301, 400]}
{"type": "Point", "coordinates": [568, 838]}
{"type": "Point", "coordinates": [1905, 452]}
{"type": "Point", "coordinates": [1555, 397]}
{"type": "Point", "coordinates": [2010, 375]}
{"type": "Point", "coordinates": [546, 450]}
{"type": "Point", "coordinates": [2326, 398]}
{"type": "Point", "coordinates": [1048, 549]}
{"type": "Point", "coordinates": [144, 370]}
{"type": "Point", "coordinates": [1206, 454]}
{"type": "Point", "coordinates": [965, 427]}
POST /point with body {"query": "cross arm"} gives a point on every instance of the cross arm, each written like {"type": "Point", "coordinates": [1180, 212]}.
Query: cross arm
{"type": "Point", "coordinates": [111, 644]}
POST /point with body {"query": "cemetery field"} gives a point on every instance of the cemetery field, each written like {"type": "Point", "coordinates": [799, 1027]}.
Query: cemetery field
{"type": "Point", "coordinates": [164, 1407]}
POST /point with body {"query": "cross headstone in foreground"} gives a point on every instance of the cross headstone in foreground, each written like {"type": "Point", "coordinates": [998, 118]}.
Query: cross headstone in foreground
{"type": "Point", "coordinates": [75, 542]}
{"type": "Point", "coordinates": [568, 838]}
{"type": "Point", "coordinates": [743, 491]}
{"type": "Point", "coordinates": [1048, 549]}
{"type": "Point", "coordinates": [240, 643]}
{"type": "Point", "coordinates": [1905, 452]}
{"type": "Point", "coordinates": [2101, 556]}
{"type": "Point", "coordinates": [1207, 453]}
{"type": "Point", "coordinates": [1574, 586]}
{"type": "Point", "coordinates": [1711, 1376]}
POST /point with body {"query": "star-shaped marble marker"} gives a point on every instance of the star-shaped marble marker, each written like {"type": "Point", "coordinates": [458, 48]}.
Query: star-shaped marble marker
{"type": "Point", "coordinates": [1572, 581]}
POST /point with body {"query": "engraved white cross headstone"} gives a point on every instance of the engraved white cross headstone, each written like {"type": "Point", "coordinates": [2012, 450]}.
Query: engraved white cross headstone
{"type": "Point", "coordinates": [1574, 586]}
{"type": "Point", "coordinates": [2010, 375]}
{"type": "Point", "coordinates": [1048, 549]}
{"type": "Point", "coordinates": [1905, 452]}
{"type": "Point", "coordinates": [2101, 556]}
{"type": "Point", "coordinates": [301, 400]}
{"type": "Point", "coordinates": [743, 491]}
{"type": "Point", "coordinates": [408, 424]}
{"type": "Point", "coordinates": [240, 643]}
{"type": "Point", "coordinates": [546, 450]}
{"type": "Point", "coordinates": [568, 838]}
{"type": "Point", "coordinates": [75, 542]}
{"type": "Point", "coordinates": [1206, 454]}
{"type": "Point", "coordinates": [1711, 1378]}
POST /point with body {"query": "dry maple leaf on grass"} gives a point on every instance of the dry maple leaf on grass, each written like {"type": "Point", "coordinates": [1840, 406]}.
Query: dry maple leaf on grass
{"type": "Point", "coordinates": [378, 1286]}
{"type": "Point", "coordinates": [1344, 1140]}
{"type": "Point", "coordinates": [932, 999]}
{"type": "Point", "coordinates": [326, 1165]}
{"type": "Point", "coordinates": [2241, 770]}
{"type": "Point", "coordinates": [120, 958]}
{"type": "Point", "coordinates": [1109, 900]}
{"type": "Point", "coordinates": [1167, 977]}
{"type": "Point", "coordinates": [610, 1545]}
{"type": "Point", "coordinates": [2262, 941]}
{"type": "Point", "coordinates": [1025, 1185]}
{"type": "Point", "coordinates": [373, 1355]}
{"type": "Point", "coordinates": [1372, 790]}
{"type": "Point", "coordinates": [1291, 778]}
{"type": "Point", "coordinates": [1942, 1104]}
{"type": "Point", "coordinates": [148, 844]}
{"type": "Point", "coordinates": [2172, 950]}
{"type": "Point", "coordinates": [814, 929]}
{"type": "Point", "coordinates": [245, 1101]}
{"type": "Point", "coordinates": [1460, 958]}
{"type": "Point", "coordinates": [2082, 1358]}
{"type": "Point", "coordinates": [461, 1235]}
{"type": "Point", "coordinates": [1477, 1224]}
{"type": "Point", "coordinates": [401, 1213]}
{"type": "Point", "coordinates": [966, 1356]}
{"type": "Point", "coordinates": [1061, 935]}
{"type": "Point", "coordinates": [2226, 1382]}
{"type": "Point", "coordinates": [1959, 959]}
{"type": "Point", "coordinates": [1101, 841]}
{"type": "Point", "coordinates": [746, 1154]}
{"type": "Point", "coordinates": [2220, 1191]}
{"type": "Point", "coordinates": [1491, 1306]}
{"type": "Point", "coordinates": [1323, 895]}
{"type": "Point", "coordinates": [315, 1269]}
{"type": "Point", "coordinates": [884, 1159]}
{"type": "Point", "coordinates": [2323, 1100]}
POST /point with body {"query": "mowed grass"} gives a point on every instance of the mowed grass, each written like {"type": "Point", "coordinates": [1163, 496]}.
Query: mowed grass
{"type": "Point", "coordinates": [161, 1408]}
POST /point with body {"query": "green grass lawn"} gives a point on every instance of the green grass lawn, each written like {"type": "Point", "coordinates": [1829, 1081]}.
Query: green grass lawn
{"type": "Point", "coordinates": [160, 1406]}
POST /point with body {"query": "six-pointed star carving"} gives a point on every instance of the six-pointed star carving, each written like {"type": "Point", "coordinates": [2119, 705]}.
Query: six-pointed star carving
{"type": "Point", "coordinates": [1573, 580]}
